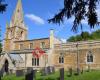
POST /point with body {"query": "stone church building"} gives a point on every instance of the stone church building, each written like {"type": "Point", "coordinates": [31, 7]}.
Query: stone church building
{"type": "Point", "coordinates": [18, 49]}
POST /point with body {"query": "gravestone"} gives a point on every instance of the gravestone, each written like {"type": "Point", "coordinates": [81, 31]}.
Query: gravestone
{"type": "Point", "coordinates": [77, 71]}
{"type": "Point", "coordinates": [19, 73]}
{"type": "Point", "coordinates": [1, 74]}
{"type": "Point", "coordinates": [49, 70]}
{"type": "Point", "coordinates": [62, 74]}
{"type": "Point", "coordinates": [30, 75]}
{"type": "Point", "coordinates": [69, 72]}
{"type": "Point", "coordinates": [44, 71]}
{"type": "Point", "coordinates": [82, 71]}
{"type": "Point", "coordinates": [2, 71]}
{"type": "Point", "coordinates": [53, 69]}
{"type": "Point", "coordinates": [11, 71]}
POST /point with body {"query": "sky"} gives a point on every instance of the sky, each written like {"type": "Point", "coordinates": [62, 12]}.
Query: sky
{"type": "Point", "coordinates": [36, 14]}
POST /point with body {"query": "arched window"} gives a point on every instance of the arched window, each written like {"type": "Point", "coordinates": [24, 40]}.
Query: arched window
{"type": "Point", "coordinates": [61, 58]}
{"type": "Point", "coordinates": [35, 61]}
{"type": "Point", "coordinates": [90, 57]}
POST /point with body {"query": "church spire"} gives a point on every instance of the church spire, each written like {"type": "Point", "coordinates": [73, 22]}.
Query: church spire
{"type": "Point", "coordinates": [17, 18]}
{"type": "Point", "coordinates": [7, 25]}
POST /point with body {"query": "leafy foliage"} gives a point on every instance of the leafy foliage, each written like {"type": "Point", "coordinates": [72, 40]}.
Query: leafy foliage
{"type": "Point", "coordinates": [2, 6]}
{"type": "Point", "coordinates": [80, 9]}
{"type": "Point", "coordinates": [85, 36]}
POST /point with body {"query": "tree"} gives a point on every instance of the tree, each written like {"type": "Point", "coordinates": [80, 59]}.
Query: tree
{"type": "Point", "coordinates": [72, 39]}
{"type": "Point", "coordinates": [80, 9]}
{"type": "Point", "coordinates": [85, 36]}
{"type": "Point", "coordinates": [96, 35]}
{"type": "Point", "coordinates": [2, 6]}
{"type": "Point", "coordinates": [78, 38]}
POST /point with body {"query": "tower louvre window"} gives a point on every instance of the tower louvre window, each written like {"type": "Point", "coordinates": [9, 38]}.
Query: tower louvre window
{"type": "Point", "coordinates": [21, 46]}
{"type": "Point", "coordinates": [21, 33]}
{"type": "Point", "coordinates": [31, 46]}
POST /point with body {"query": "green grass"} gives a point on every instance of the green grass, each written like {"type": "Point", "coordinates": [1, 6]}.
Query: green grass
{"type": "Point", "coordinates": [12, 77]}
{"type": "Point", "coordinates": [93, 75]}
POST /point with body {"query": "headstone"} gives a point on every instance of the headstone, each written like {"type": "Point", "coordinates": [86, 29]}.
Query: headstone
{"type": "Point", "coordinates": [82, 71]}
{"type": "Point", "coordinates": [2, 71]}
{"type": "Point", "coordinates": [53, 69]}
{"type": "Point", "coordinates": [30, 75]}
{"type": "Point", "coordinates": [49, 70]}
{"type": "Point", "coordinates": [11, 71]}
{"type": "Point", "coordinates": [77, 72]}
{"type": "Point", "coordinates": [69, 72]}
{"type": "Point", "coordinates": [34, 74]}
{"type": "Point", "coordinates": [44, 71]}
{"type": "Point", "coordinates": [1, 74]}
{"type": "Point", "coordinates": [62, 74]}
{"type": "Point", "coordinates": [19, 73]}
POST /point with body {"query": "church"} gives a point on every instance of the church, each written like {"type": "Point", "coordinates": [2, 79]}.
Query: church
{"type": "Point", "coordinates": [18, 49]}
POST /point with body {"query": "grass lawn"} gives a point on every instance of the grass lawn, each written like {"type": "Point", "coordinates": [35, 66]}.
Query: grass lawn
{"type": "Point", "coordinates": [93, 75]}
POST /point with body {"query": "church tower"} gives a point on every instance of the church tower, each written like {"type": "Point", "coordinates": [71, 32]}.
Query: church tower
{"type": "Point", "coordinates": [17, 29]}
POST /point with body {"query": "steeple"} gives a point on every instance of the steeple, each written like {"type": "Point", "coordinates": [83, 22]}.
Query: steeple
{"type": "Point", "coordinates": [17, 18]}
{"type": "Point", "coordinates": [7, 25]}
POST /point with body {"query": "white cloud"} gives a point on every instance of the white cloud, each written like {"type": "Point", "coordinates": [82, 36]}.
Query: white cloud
{"type": "Point", "coordinates": [63, 40]}
{"type": "Point", "coordinates": [35, 18]}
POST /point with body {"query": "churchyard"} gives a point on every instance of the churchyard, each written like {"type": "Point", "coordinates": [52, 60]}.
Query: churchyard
{"type": "Point", "coordinates": [46, 74]}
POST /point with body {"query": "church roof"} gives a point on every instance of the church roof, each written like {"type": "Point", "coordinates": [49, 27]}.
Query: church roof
{"type": "Point", "coordinates": [15, 57]}
{"type": "Point", "coordinates": [32, 39]}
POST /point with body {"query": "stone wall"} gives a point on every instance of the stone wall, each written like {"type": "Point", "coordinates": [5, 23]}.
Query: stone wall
{"type": "Point", "coordinates": [70, 51]}
{"type": "Point", "coordinates": [36, 43]}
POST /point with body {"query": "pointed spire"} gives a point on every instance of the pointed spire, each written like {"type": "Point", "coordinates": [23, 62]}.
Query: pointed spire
{"type": "Point", "coordinates": [7, 25]}
{"type": "Point", "coordinates": [17, 18]}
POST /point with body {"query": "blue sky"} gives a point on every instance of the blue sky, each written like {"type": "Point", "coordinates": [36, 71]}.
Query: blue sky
{"type": "Point", "coordinates": [36, 14]}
